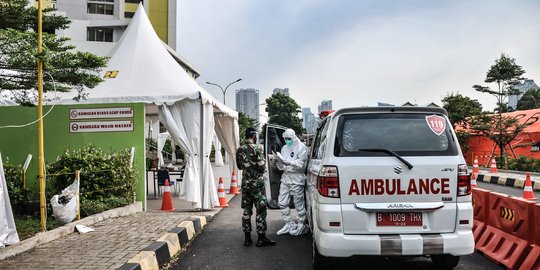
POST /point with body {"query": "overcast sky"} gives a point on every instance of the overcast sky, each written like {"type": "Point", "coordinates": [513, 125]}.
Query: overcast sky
{"type": "Point", "coordinates": [357, 53]}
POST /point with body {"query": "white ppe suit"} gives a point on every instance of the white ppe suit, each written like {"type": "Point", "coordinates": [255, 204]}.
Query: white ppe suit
{"type": "Point", "coordinates": [293, 182]}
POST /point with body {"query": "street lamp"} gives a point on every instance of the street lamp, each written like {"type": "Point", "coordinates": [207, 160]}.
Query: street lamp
{"type": "Point", "coordinates": [224, 91]}
{"type": "Point", "coordinates": [255, 107]}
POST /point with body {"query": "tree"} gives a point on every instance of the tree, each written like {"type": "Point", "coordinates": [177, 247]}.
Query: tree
{"type": "Point", "coordinates": [530, 100]}
{"type": "Point", "coordinates": [502, 108]}
{"type": "Point", "coordinates": [460, 108]}
{"type": "Point", "coordinates": [18, 55]}
{"type": "Point", "coordinates": [506, 74]}
{"type": "Point", "coordinates": [502, 131]}
{"type": "Point", "coordinates": [283, 110]}
{"type": "Point", "coordinates": [245, 122]}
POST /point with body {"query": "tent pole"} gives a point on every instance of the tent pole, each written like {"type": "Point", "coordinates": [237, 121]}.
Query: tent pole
{"type": "Point", "coordinates": [201, 154]}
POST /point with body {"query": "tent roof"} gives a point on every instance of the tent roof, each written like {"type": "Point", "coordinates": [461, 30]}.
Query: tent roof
{"type": "Point", "coordinates": [146, 72]}
{"type": "Point", "coordinates": [529, 117]}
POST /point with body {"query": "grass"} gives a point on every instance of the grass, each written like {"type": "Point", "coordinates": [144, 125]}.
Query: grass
{"type": "Point", "coordinates": [28, 226]}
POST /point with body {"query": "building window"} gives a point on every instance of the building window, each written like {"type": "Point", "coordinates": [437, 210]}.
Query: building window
{"type": "Point", "coordinates": [129, 14]}
{"type": "Point", "coordinates": [102, 34]}
{"type": "Point", "coordinates": [95, 8]}
{"type": "Point", "coordinates": [134, 1]}
{"type": "Point", "coordinates": [535, 147]}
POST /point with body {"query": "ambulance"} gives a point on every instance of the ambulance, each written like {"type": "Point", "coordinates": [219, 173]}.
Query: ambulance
{"type": "Point", "coordinates": [388, 181]}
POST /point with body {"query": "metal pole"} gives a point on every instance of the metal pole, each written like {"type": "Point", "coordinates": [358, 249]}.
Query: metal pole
{"type": "Point", "coordinates": [78, 174]}
{"type": "Point", "coordinates": [223, 90]}
{"type": "Point", "coordinates": [201, 149]}
{"type": "Point", "coordinates": [40, 122]}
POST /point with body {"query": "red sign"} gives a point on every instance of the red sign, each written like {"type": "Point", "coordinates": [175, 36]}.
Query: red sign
{"type": "Point", "coordinates": [98, 113]}
{"type": "Point", "coordinates": [379, 186]}
{"type": "Point", "coordinates": [436, 123]}
{"type": "Point", "coordinates": [399, 219]}
{"type": "Point", "coordinates": [101, 126]}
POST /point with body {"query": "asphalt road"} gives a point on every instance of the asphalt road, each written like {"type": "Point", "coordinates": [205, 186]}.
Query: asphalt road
{"type": "Point", "coordinates": [220, 246]}
{"type": "Point", "coordinates": [517, 192]}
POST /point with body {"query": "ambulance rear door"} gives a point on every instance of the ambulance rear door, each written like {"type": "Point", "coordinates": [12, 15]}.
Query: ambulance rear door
{"type": "Point", "coordinates": [398, 173]}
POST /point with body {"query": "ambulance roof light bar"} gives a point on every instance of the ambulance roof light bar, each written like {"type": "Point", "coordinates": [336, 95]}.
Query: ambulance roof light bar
{"type": "Point", "coordinates": [324, 114]}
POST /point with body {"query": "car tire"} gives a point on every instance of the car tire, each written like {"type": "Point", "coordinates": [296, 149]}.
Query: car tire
{"type": "Point", "coordinates": [320, 262]}
{"type": "Point", "coordinates": [445, 261]}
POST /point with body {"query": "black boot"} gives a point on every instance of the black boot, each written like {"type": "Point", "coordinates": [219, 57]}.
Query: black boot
{"type": "Point", "coordinates": [248, 242]}
{"type": "Point", "coordinates": [264, 242]}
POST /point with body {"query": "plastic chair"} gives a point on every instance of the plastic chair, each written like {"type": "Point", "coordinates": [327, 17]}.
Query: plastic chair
{"type": "Point", "coordinates": [162, 175]}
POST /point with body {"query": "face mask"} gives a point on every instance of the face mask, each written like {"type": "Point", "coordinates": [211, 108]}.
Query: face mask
{"type": "Point", "coordinates": [289, 142]}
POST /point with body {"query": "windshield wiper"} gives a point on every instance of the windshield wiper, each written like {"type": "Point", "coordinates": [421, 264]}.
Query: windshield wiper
{"type": "Point", "coordinates": [390, 152]}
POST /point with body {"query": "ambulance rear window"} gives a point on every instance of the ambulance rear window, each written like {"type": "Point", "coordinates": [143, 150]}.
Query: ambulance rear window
{"type": "Point", "coordinates": [404, 133]}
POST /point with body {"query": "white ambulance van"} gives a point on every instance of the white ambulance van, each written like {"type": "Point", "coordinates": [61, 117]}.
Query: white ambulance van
{"type": "Point", "coordinates": [389, 181]}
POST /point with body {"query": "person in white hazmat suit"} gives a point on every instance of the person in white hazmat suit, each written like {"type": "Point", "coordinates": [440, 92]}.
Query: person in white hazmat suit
{"type": "Point", "coordinates": [293, 181]}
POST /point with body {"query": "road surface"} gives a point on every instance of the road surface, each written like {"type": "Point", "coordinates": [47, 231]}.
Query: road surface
{"type": "Point", "coordinates": [220, 246]}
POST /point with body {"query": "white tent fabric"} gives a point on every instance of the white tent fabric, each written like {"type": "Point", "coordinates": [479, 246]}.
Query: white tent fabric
{"type": "Point", "coordinates": [145, 72]}
{"type": "Point", "coordinates": [230, 140]}
{"type": "Point", "coordinates": [8, 231]}
{"type": "Point", "coordinates": [210, 199]}
{"type": "Point", "coordinates": [186, 130]}
{"type": "Point", "coordinates": [218, 157]}
{"type": "Point", "coordinates": [173, 149]}
{"type": "Point", "coordinates": [162, 138]}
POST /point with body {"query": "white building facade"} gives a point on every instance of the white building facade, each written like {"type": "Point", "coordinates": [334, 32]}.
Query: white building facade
{"type": "Point", "coordinates": [309, 120]}
{"type": "Point", "coordinates": [325, 105]}
{"type": "Point", "coordinates": [523, 87]}
{"type": "Point", "coordinates": [283, 91]}
{"type": "Point", "coordinates": [247, 102]}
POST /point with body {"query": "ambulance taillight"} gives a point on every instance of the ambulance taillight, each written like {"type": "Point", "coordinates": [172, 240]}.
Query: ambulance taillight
{"type": "Point", "coordinates": [464, 181]}
{"type": "Point", "coordinates": [328, 182]}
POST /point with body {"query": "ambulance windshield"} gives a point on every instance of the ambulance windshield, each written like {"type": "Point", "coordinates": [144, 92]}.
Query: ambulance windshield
{"type": "Point", "coordinates": [406, 134]}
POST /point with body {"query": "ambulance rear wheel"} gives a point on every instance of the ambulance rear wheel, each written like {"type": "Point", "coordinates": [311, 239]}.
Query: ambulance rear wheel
{"type": "Point", "coordinates": [445, 261]}
{"type": "Point", "coordinates": [320, 262]}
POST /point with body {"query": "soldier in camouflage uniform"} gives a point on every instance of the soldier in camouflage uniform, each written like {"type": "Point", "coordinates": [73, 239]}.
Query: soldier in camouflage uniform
{"type": "Point", "coordinates": [250, 159]}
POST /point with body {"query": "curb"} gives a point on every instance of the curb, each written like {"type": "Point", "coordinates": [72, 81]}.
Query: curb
{"type": "Point", "coordinates": [506, 181]}
{"type": "Point", "coordinates": [48, 236]}
{"type": "Point", "coordinates": [159, 253]}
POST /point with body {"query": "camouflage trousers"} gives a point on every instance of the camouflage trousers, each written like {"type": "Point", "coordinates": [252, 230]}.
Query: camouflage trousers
{"type": "Point", "coordinates": [254, 196]}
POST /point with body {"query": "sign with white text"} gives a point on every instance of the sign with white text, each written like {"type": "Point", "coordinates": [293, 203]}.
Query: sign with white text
{"type": "Point", "coordinates": [93, 113]}
{"type": "Point", "coordinates": [101, 126]}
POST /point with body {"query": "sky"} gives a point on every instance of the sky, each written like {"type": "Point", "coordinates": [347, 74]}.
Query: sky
{"type": "Point", "coordinates": [358, 53]}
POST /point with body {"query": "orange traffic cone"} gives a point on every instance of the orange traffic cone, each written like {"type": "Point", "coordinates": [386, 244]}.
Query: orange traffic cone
{"type": "Point", "coordinates": [167, 205]}
{"type": "Point", "coordinates": [234, 185]}
{"type": "Point", "coordinates": [475, 168]}
{"type": "Point", "coordinates": [473, 180]}
{"type": "Point", "coordinates": [527, 189]}
{"type": "Point", "coordinates": [221, 194]}
{"type": "Point", "coordinates": [493, 167]}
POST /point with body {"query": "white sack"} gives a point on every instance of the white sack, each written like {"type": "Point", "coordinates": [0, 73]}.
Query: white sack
{"type": "Point", "coordinates": [65, 213]}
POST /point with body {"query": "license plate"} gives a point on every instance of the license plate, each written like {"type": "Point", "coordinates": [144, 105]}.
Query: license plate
{"type": "Point", "coordinates": [399, 219]}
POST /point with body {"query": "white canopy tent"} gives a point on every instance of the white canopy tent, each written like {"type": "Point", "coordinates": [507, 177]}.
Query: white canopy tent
{"type": "Point", "coordinates": [217, 151]}
{"type": "Point", "coordinates": [146, 72]}
{"type": "Point", "coordinates": [8, 231]}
